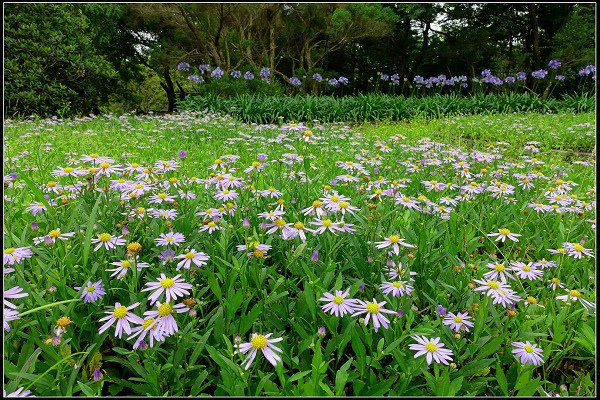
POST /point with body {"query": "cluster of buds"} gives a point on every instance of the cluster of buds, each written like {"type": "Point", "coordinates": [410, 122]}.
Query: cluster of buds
{"type": "Point", "coordinates": [61, 327]}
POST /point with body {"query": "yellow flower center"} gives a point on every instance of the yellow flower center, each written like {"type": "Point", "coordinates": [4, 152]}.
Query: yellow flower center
{"type": "Point", "coordinates": [307, 133]}
{"type": "Point", "coordinates": [125, 264]}
{"type": "Point", "coordinates": [504, 231]}
{"type": "Point", "coordinates": [141, 210]}
{"type": "Point", "coordinates": [578, 248]}
{"type": "Point", "coordinates": [255, 164]}
{"type": "Point", "coordinates": [528, 349]}
{"type": "Point", "coordinates": [338, 300]}
{"type": "Point", "coordinates": [165, 309]}
{"type": "Point", "coordinates": [147, 323]}
{"type": "Point", "coordinates": [299, 225]}
{"type": "Point", "coordinates": [556, 281]}
{"type": "Point", "coordinates": [230, 205]}
{"type": "Point", "coordinates": [218, 161]}
{"type": "Point", "coordinates": [259, 342]}
{"type": "Point", "coordinates": [104, 165]}
{"type": "Point", "coordinates": [430, 347]}
{"type": "Point", "coordinates": [68, 169]}
{"type": "Point", "coordinates": [162, 195]}
{"type": "Point", "coordinates": [493, 285]}
{"type": "Point", "coordinates": [575, 293]}
{"type": "Point", "coordinates": [279, 222]}
{"type": "Point", "coordinates": [211, 224]}
{"type": "Point", "coordinates": [94, 155]}
{"type": "Point", "coordinates": [378, 191]}
{"type": "Point", "coordinates": [120, 312]}
{"type": "Point", "coordinates": [170, 239]}
{"type": "Point", "coordinates": [259, 253]}
{"type": "Point", "coordinates": [327, 223]}
{"type": "Point", "coordinates": [135, 165]}
{"type": "Point", "coordinates": [531, 300]}
{"type": "Point", "coordinates": [139, 186]}
{"type": "Point", "coordinates": [343, 204]}
{"type": "Point", "coordinates": [90, 289]}
{"type": "Point", "coordinates": [51, 184]}
{"type": "Point", "coordinates": [394, 239]}
{"type": "Point", "coordinates": [317, 203]}
{"type": "Point", "coordinates": [173, 180]}
{"type": "Point", "coordinates": [335, 199]}
{"type": "Point", "coordinates": [373, 308]}
{"type": "Point", "coordinates": [526, 268]}
{"type": "Point", "coordinates": [327, 187]}
{"type": "Point", "coordinates": [457, 319]}
{"type": "Point", "coordinates": [559, 181]}
{"type": "Point", "coordinates": [104, 237]}
{"type": "Point", "coordinates": [191, 254]}
{"type": "Point", "coordinates": [54, 233]}
{"type": "Point", "coordinates": [167, 283]}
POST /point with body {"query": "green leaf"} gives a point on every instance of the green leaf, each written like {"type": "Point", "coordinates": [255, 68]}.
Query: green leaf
{"type": "Point", "coordinates": [529, 388]}
{"type": "Point", "coordinates": [501, 379]}
{"type": "Point", "coordinates": [341, 377]}
{"type": "Point", "coordinates": [88, 391]}
{"type": "Point", "coordinates": [88, 233]}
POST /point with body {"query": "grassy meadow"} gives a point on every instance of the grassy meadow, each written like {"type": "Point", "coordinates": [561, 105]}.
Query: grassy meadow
{"type": "Point", "coordinates": [194, 254]}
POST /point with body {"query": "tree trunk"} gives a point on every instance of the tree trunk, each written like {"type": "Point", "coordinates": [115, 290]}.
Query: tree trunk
{"type": "Point", "coordinates": [535, 36]}
{"type": "Point", "coordinates": [169, 88]}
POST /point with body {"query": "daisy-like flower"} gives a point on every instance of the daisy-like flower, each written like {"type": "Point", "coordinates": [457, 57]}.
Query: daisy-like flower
{"type": "Point", "coordinates": [543, 263]}
{"type": "Point", "coordinates": [36, 207]}
{"type": "Point", "coordinates": [407, 202]}
{"type": "Point", "coordinates": [122, 316]}
{"type": "Point", "coordinates": [259, 250]}
{"type": "Point", "coordinates": [173, 288]}
{"type": "Point", "coordinates": [530, 300]}
{"type": "Point", "coordinates": [504, 233]}
{"type": "Point", "coordinates": [338, 305]}
{"type": "Point", "coordinates": [458, 322]}
{"type": "Point", "coordinates": [148, 328]}
{"type": "Point", "coordinates": [108, 241]}
{"type": "Point", "coordinates": [255, 166]}
{"type": "Point", "coordinates": [374, 311]}
{"type": "Point", "coordinates": [397, 288]}
{"type": "Point", "coordinates": [123, 266]}
{"type": "Point", "coordinates": [164, 317]}
{"type": "Point", "coordinates": [158, 198]}
{"type": "Point", "coordinates": [13, 293]}
{"type": "Point", "coordinates": [171, 238]}
{"type": "Point", "coordinates": [528, 353]}
{"type": "Point", "coordinates": [52, 236]}
{"type": "Point", "coordinates": [432, 349]}
{"type": "Point", "coordinates": [325, 225]}
{"type": "Point", "coordinates": [270, 192]}
{"type": "Point", "coordinates": [138, 189]}
{"type": "Point", "coordinates": [498, 272]}
{"type": "Point", "coordinates": [20, 392]}
{"type": "Point", "coordinates": [277, 224]}
{"type": "Point", "coordinates": [526, 271]}
{"type": "Point", "coordinates": [95, 158]}
{"type": "Point", "coordinates": [9, 315]}
{"type": "Point", "coordinates": [576, 250]}
{"type": "Point", "coordinates": [226, 195]}
{"type": "Point", "coordinates": [395, 241]}
{"type": "Point", "coordinates": [14, 255]}
{"type": "Point", "coordinates": [192, 256]}
{"type": "Point", "coordinates": [210, 213]}
{"type": "Point", "coordinates": [500, 292]}
{"type": "Point", "coordinates": [397, 271]}
{"type": "Point", "coordinates": [343, 207]}
{"type": "Point", "coordinates": [67, 171]}
{"type": "Point", "coordinates": [167, 256]}
{"type": "Point", "coordinates": [575, 295]}
{"type": "Point", "coordinates": [209, 226]}
{"type": "Point", "coordinates": [295, 229]}
{"type": "Point", "coordinates": [315, 209]}
{"type": "Point", "coordinates": [162, 213]}
{"type": "Point", "coordinates": [555, 284]}
{"type": "Point", "coordinates": [106, 169]}
{"type": "Point", "coordinates": [262, 343]}
{"type": "Point", "coordinates": [92, 291]}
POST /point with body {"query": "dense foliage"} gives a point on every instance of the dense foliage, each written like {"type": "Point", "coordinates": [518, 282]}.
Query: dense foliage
{"type": "Point", "coordinates": [73, 59]}
{"type": "Point", "coordinates": [378, 107]}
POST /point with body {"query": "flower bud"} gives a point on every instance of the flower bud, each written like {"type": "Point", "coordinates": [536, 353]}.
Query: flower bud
{"type": "Point", "coordinates": [321, 332]}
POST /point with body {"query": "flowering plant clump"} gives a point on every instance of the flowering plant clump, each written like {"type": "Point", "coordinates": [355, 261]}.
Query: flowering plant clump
{"type": "Point", "coordinates": [192, 254]}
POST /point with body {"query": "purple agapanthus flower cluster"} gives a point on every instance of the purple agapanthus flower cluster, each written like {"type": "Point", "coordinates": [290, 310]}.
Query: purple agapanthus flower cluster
{"type": "Point", "coordinates": [590, 69]}
{"type": "Point", "coordinates": [554, 64]}
{"type": "Point", "coordinates": [317, 77]}
{"type": "Point", "coordinates": [521, 76]}
{"type": "Point", "coordinates": [395, 79]}
{"type": "Point", "coordinates": [333, 82]}
{"type": "Point", "coordinates": [183, 66]}
{"type": "Point", "coordinates": [539, 74]}
{"type": "Point", "coordinates": [265, 74]}
{"type": "Point", "coordinates": [343, 80]}
{"type": "Point", "coordinates": [217, 73]}
{"type": "Point", "coordinates": [248, 76]}
{"type": "Point", "coordinates": [204, 67]}
{"type": "Point", "coordinates": [294, 81]}
{"type": "Point", "coordinates": [385, 77]}
{"type": "Point", "coordinates": [236, 74]}
{"type": "Point", "coordinates": [196, 78]}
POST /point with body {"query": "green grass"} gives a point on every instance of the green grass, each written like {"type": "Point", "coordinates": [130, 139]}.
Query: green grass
{"type": "Point", "coordinates": [237, 295]}
{"type": "Point", "coordinates": [379, 107]}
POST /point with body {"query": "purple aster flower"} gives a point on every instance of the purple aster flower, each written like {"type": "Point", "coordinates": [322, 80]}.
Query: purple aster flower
{"type": "Point", "coordinates": [122, 316]}
{"type": "Point", "coordinates": [321, 332]}
{"type": "Point", "coordinates": [97, 374]}
{"type": "Point", "coordinates": [182, 153]}
{"type": "Point", "coordinates": [261, 157]}
{"type": "Point", "coordinates": [34, 226]}
{"type": "Point", "coordinates": [528, 353]}
{"type": "Point", "coordinates": [373, 311]}
{"type": "Point", "coordinates": [315, 256]}
{"type": "Point", "coordinates": [173, 288]}
{"type": "Point", "coordinates": [92, 291]}
{"type": "Point", "coordinates": [167, 256]}
{"type": "Point", "coordinates": [441, 310]}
